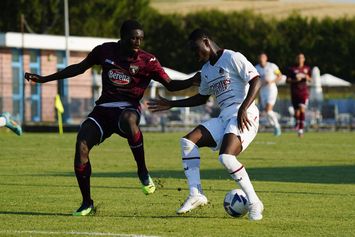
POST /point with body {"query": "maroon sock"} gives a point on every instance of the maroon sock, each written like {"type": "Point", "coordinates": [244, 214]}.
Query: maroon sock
{"type": "Point", "coordinates": [83, 173]}
{"type": "Point", "coordinates": [137, 148]}
{"type": "Point", "coordinates": [297, 118]}
{"type": "Point", "coordinates": [302, 117]}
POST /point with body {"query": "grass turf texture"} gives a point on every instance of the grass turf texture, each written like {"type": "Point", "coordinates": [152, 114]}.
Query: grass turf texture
{"type": "Point", "coordinates": [307, 186]}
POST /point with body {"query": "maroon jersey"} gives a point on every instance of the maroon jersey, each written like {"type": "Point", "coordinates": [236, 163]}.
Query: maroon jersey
{"type": "Point", "coordinates": [124, 80]}
{"type": "Point", "coordinates": [299, 88]}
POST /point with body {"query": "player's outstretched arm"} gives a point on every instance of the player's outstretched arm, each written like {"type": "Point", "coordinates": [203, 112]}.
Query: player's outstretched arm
{"type": "Point", "coordinates": [161, 103]}
{"type": "Point", "coordinates": [70, 71]}
{"type": "Point", "coordinates": [254, 87]}
{"type": "Point", "coordinates": [177, 85]}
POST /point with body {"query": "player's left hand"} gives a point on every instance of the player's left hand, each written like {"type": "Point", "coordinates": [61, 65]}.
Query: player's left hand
{"type": "Point", "coordinates": [31, 77]}
{"type": "Point", "coordinates": [159, 104]}
{"type": "Point", "coordinates": [243, 121]}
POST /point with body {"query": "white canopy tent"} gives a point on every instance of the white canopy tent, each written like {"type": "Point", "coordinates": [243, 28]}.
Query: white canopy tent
{"type": "Point", "coordinates": [325, 79]}
{"type": "Point", "coordinates": [173, 74]}
{"type": "Point", "coordinates": [330, 80]}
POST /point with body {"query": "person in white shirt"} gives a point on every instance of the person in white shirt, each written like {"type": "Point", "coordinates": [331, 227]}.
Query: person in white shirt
{"type": "Point", "coordinates": [235, 83]}
{"type": "Point", "coordinates": [269, 75]}
{"type": "Point", "coordinates": [316, 96]}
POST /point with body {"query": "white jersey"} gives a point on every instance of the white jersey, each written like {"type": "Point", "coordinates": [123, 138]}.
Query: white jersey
{"type": "Point", "coordinates": [268, 73]}
{"type": "Point", "coordinates": [268, 91]}
{"type": "Point", "coordinates": [228, 79]}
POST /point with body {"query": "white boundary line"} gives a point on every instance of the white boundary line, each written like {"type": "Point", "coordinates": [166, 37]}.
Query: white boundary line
{"type": "Point", "coordinates": [70, 233]}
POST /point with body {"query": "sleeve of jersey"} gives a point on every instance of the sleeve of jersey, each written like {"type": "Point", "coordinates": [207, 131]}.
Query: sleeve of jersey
{"type": "Point", "coordinates": [204, 89]}
{"type": "Point", "coordinates": [245, 69]}
{"type": "Point", "coordinates": [276, 69]}
{"type": "Point", "coordinates": [94, 55]}
{"type": "Point", "coordinates": [157, 71]}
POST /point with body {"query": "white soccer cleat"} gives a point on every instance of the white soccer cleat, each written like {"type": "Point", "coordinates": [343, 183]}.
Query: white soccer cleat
{"type": "Point", "coordinates": [300, 133]}
{"type": "Point", "coordinates": [255, 211]}
{"type": "Point", "coordinates": [192, 202]}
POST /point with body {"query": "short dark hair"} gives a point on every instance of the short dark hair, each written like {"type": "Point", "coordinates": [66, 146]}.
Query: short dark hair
{"type": "Point", "coordinates": [129, 25]}
{"type": "Point", "coordinates": [199, 34]}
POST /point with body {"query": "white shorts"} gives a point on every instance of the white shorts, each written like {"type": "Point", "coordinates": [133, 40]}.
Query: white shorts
{"type": "Point", "coordinates": [268, 95]}
{"type": "Point", "coordinates": [218, 127]}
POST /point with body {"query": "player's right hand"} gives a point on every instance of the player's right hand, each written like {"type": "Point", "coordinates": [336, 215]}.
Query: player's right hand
{"type": "Point", "coordinates": [159, 104]}
{"type": "Point", "coordinates": [34, 77]}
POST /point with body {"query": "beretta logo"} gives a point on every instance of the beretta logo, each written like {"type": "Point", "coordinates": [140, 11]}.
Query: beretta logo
{"type": "Point", "coordinates": [118, 78]}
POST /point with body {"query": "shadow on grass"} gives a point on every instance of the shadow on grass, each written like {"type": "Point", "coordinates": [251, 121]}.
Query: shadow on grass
{"type": "Point", "coordinates": [31, 213]}
{"type": "Point", "coordinates": [193, 216]}
{"type": "Point", "coordinates": [343, 174]}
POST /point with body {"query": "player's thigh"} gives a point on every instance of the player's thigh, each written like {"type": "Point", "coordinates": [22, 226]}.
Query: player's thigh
{"type": "Point", "coordinates": [270, 99]}
{"type": "Point", "coordinates": [234, 140]}
{"type": "Point", "coordinates": [128, 120]}
{"type": "Point", "coordinates": [89, 134]}
{"type": "Point", "coordinates": [201, 137]}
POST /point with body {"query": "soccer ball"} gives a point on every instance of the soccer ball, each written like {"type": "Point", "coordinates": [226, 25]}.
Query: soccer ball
{"type": "Point", "coordinates": [236, 203]}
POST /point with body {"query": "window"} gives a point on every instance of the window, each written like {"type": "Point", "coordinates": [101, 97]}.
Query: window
{"type": "Point", "coordinates": [35, 96]}
{"type": "Point", "coordinates": [17, 84]}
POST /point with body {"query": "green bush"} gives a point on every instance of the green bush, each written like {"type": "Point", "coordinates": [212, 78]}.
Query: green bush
{"type": "Point", "coordinates": [327, 43]}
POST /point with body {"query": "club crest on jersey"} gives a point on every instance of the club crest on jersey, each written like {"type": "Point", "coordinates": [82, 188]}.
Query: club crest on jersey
{"type": "Point", "coordinates": [118, 78]}
{"type": "Point", "coordinates": [133, 69]}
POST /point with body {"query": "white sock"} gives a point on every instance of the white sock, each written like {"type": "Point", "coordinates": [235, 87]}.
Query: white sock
{"type": "Point", "coordinates": [191, 164]}
{"type": "Point", "coordinates": [272, 118]}
{"type": "Point", "coordinates": [240, 175]}
{"type": "Point", "coordinates": [2, 121]}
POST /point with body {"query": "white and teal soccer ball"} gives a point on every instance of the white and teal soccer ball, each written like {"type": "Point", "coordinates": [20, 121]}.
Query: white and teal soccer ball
{"type": "Point", "coordinates": [236, 203]}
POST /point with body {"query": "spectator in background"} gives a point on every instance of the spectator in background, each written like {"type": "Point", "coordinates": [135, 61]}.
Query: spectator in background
{"type": "Point", "coordinates": [297, 77]}
{"type": "Point", "coordinates": [269, 75]}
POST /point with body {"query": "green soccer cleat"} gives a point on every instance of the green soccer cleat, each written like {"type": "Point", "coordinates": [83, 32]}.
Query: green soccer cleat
{"type": "Point", "coordinates": [11, 124]}
{"type": "Point", "coordinates": [85, 209]}
{"type": "Point", "coordinates": [148, 186]}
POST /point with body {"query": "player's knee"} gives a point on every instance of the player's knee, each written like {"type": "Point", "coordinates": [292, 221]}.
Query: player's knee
{"type": "Point", "coordinates": [188, 148]}
{"type": "Point", "coordinates": [230, 162]}
{"type": "Point", "coordinates": [82, 151]}
{"type": "Point", "coordinates": [129, 117]}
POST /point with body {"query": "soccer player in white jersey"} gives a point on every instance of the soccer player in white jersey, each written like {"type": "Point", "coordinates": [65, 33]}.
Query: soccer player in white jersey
{"type": "Point", "coordinates": [269, 75]}
{"type": "Point", "coordinates": [235, 83]}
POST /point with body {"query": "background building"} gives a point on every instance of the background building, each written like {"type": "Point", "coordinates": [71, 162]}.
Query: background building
{"type": "Point", "coordinates": [45, 54]}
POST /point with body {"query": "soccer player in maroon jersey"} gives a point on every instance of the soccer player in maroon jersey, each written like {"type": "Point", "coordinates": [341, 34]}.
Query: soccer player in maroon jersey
{"type": "Point", "coordinates": [297, 77]}
{"type": "Point", "coordinates": [126, 73]}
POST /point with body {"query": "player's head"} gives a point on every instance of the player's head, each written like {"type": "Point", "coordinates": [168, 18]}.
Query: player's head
{"type": "Point", "coordinates": [300, 59]}
{"type": "Point", "coordinates": [131, 34]}
{"type": "Point", "coordinates": [200, 43]}
{"type": "Point", "coordinates": [263, 59]}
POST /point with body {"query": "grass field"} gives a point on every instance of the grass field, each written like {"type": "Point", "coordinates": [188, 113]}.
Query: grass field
{"type": "Point", "coordinates": [307, 186]}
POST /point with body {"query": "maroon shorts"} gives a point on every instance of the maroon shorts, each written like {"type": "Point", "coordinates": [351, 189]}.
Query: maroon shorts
{"type": "Point", "coordinates": [299, 100]}
{"type": "Point", "coordinates": [108, 119]}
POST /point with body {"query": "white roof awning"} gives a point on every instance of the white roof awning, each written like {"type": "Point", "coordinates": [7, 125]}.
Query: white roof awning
{"type": "Point", "coordinates": [325, 79]}
{"type": "Point", "coordinates": [176, 75]}
{"type": "Point", "coordinates": [50, 42]}
{"type": "Point", "coordinates": [330, 80]}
